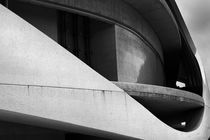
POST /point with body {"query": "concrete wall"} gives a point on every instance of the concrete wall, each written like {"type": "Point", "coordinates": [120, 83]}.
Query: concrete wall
{"type": "Point", "coordinates": [103, 50]}
{"type": "Point", "coordinates": [103, 55]}
{"type": "Point", "coordinates": [115, 10]}
{"type": "Point", "coordinates": [136, 62]}
{"type": "Point", "coordinates": [45, 19]}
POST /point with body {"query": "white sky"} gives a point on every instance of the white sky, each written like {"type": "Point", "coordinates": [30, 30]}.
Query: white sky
{"type": "Point", "coordinates": [196, 14]}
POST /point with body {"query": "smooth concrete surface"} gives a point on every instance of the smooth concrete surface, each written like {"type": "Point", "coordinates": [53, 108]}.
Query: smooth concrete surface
{"type": "Point", "coordinates": [101, 113]}
{"type": "Point", "coordinates": [206, 92]}
{"type": "Point", "coordinates": [136, 62]}
{"type": "Point", "coordinates": [29, 57]}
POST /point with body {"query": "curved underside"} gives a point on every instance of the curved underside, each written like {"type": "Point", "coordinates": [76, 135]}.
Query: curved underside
{"type": "Point", "coordinates": [172, 106]}
{"type": "Point", "coordinates": [40, 86]}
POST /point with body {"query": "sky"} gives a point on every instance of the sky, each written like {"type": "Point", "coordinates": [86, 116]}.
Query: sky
{"type": "Point", "coordinates": [196, 14]}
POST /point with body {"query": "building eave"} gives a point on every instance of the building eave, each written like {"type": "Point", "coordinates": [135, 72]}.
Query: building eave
{"type": "Point", "coordinates": [182, 26]}
{"type": "Point", "coordinates": [159, 16]}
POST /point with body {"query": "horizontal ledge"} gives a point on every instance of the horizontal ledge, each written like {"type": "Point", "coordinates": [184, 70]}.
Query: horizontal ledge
{"type": "Point", "coordinates": [161, 99]}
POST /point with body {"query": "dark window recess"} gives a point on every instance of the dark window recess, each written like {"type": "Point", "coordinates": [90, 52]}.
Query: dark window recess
{"type": "Point", "coordinates": [189, 72]}
{"type": "Point", "coordinates": [74, 35]}
{"type": "Point", "coordinates": [90, 40]}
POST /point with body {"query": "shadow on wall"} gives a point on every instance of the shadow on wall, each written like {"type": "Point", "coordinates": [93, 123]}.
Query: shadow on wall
{"type": "Point", "coordinates": [151, 72]}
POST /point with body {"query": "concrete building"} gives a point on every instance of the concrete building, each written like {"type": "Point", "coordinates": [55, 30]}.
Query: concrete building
{"type": "Point", "coordinates": [99, 69]}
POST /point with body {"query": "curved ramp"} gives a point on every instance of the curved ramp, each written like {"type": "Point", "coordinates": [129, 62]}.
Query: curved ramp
{"type": "Point", "coordinates": [29, 57]}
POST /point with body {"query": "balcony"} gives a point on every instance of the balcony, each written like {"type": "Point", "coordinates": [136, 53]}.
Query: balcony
{"type": "Point", "coordinates": [179, 109]}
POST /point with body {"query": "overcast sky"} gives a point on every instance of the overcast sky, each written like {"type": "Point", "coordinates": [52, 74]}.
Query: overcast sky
{"type": "Point", "coordinates": [196, 14]}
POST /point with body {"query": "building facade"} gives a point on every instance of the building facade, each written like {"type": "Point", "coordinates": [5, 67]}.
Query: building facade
{"type": "Point", "coordinates": [99, 69]}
